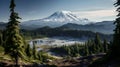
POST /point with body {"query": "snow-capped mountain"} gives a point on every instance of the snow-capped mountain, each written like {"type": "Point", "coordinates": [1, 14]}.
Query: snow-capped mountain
{"type": "Point", "coordinates": [62, 16]}
{"type": "Point", "coordinates": [57, 19]}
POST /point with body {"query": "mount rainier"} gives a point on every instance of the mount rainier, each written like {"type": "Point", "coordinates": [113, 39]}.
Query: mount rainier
{"type": "Point", "coordinates": [57, 19]}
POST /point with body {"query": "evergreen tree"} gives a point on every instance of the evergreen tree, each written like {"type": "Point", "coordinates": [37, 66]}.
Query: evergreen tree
{"type": "Point", "coordinates": [40, 56]}
{"type": "Point", "coordinates": [1, 40]}
{"type": "Point", "coordinates": [87, 50]}
{"type": "Point", "coordinates": [98, 44]}
{"type": "Point", "coordinates": [34, 51]}
{"type": "Point", "coordinates": [4, 37]}
{"type": "Point", "coordinates": [115, 48]}
{"type": "Point", "coordinates": [90, 46]}
{"type": "Point", "coordinates": [14, 42]}
{"type": "Point", "coordinates": [94, 51]}
{"type": "Point", "coordinates": [77, 48]}
{"type": "Point", "coordinates": [105, 45]}
{"type": "Point", "coordinates": [28, 51]}
{"type": "Point", "coordinates": [69, 51]}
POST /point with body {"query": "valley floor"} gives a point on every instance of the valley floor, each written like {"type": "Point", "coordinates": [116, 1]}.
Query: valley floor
{"type": "Point", "coordinates": [76, 62]}
{"type": "Point", "coordinates": [71, 62]}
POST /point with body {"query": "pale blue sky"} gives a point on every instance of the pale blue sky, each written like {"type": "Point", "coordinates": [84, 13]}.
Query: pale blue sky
{"type": "Point", "coordinates": [95, 10]}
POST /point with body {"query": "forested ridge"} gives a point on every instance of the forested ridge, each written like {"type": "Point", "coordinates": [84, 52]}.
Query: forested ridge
{"type": "Point", "coordinates": [51, 32]}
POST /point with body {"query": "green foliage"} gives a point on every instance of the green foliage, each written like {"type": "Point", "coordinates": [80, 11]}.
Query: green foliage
{"type": "Point", "coordinates": [28, 34]}
{"type": "Point", "coordinates": [50, 32]}
{"type": "Point", "coordinates": [34, 51]}
{"type": "Point", "coordinates": [114, 52]}
{"type": "Point", "coordinates": [40, 56]}
{"type": "Point", "coordinates": [69, 50]}
{"type": "Point", "coordinates": [105, 45]}
{"type": "Point", "coordinates": [1, 38]}
{"type": "Point", "coordinates": [99, 45]}
{"type": "Point", "coordinates": [43, 56]}
{"type": "Point", "coordinates": [14, 42]}
{"type": "Point", "coordinates": [87, 53]}
{"type": "Point", "coordinates": [28, 51]}
{"type": "Point", "coordinates": [1, 49]}
{"type": "Point", "coordinates": [90, 47]}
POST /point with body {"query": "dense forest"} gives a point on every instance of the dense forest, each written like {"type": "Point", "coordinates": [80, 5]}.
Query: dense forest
{"type": "Point", "coordinates": [91, 47]}
{"type": "Point", "coordinates": [51, 32]}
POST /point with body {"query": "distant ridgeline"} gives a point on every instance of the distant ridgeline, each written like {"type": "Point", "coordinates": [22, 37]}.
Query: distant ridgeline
{"type": "Point", "coordinates": [59, 31]}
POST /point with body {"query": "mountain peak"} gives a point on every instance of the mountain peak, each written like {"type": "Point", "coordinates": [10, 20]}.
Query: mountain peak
{"type": "Point", "coordinates": [63, 12]}
{"type": "Point", "coordinates": [62, 16]}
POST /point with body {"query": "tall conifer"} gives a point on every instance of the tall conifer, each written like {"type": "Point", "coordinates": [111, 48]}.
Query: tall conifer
{"type": "Point", "coordinates": [115, 48]}
{"type": "Point", "coordinates": [98, 43]}
{"type": "Point", "coordinates": [1, 40]}
{"type": "Point", "coordinates": [14, 41]}
{"type": "Point", "coordinates": [34, 51]}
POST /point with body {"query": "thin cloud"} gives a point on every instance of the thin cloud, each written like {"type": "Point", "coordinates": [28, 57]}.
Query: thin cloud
{"type": "Point", "coordinates": [97, 15]}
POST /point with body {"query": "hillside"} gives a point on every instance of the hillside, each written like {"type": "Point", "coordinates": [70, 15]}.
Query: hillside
{"type": "Point", "coordinates": [51, 32]}
{"type": "Point", "coordinates": [105, 27]}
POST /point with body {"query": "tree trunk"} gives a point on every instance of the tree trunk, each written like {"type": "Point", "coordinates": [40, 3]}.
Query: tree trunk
{"type": "Point", "coordinates": [16, 60]}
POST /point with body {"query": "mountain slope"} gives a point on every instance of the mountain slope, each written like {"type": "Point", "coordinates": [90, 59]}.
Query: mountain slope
{"type": "Point", "coordinates": [2, 25]}
{"type": "Point", "coordinates": [56, 19]}
{"type": "Point", "coordinates": [60, 32]}
{"type": "Point", "coordinates": [62, 16]}
{"type": "Point", "coordinates": [105, 27]}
